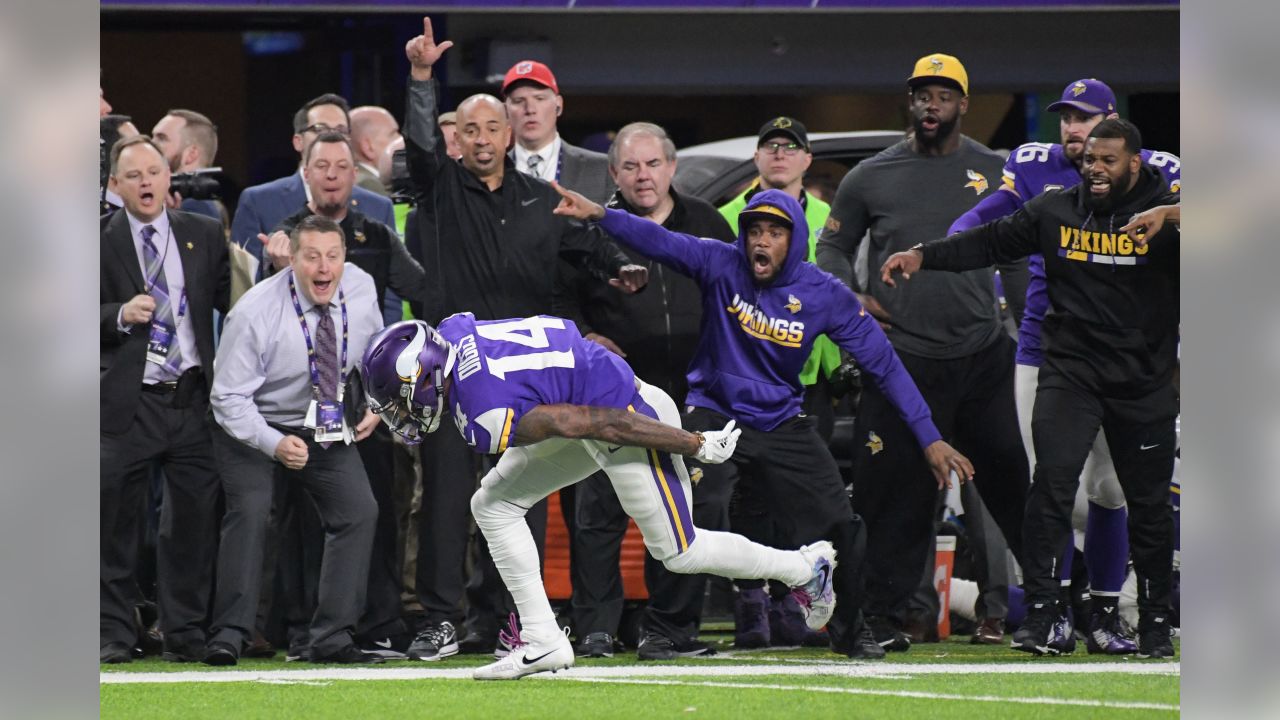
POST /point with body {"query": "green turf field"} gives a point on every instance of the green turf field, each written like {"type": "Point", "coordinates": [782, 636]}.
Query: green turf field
{"type": "Point", "coordinates": [947, 680]}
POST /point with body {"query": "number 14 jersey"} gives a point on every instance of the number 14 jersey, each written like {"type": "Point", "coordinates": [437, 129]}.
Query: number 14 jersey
{"type": "Point", "coordinates": [505, 368]}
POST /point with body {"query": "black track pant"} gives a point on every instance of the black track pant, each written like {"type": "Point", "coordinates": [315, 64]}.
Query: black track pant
{"type": "Point", "coordinates": [971, 399]}
{"type": "Point", "coordinates": [1141, 435]}
{"type": "Point", "coordinates": [790, 470]}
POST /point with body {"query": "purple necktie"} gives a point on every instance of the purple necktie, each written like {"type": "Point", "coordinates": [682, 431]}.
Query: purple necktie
{"type": "Point", "coordinates": [160, 293]}
{"type": "Point", "coordinates": [326, 355]}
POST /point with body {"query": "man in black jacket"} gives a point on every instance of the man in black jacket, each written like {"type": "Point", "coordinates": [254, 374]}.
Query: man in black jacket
{"type": "Point", "coordinates": [498, 246]}
{"type": "Point", "coordinates": [1110, 356]}
{"type": "Point", "coordinates": [656, 331]}
{"type": "Point", "coordinates": [163, 274]}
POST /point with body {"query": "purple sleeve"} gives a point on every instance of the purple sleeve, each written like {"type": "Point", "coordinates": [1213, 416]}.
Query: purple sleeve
{"type": "Point", "coordinates": [993, 207]}
{"type": "Point", "coordinates": [1037, 306]}
{"type": "Point", "coordinates": [862, 337]}
{"type": "Point", "coordinates": [693, 256]}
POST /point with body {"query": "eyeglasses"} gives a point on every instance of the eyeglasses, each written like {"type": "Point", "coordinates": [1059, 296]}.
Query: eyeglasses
{"type": "Point", "coordinates": [787, 149]}
{"type": "Point", "coordinates": [322, 128]}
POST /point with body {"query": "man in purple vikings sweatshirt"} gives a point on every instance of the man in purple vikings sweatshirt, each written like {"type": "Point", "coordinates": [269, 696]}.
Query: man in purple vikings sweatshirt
{"type": "Point", "coordinates": [763, 305]}
{"type": "Point", "coordinates": [1034, 168]}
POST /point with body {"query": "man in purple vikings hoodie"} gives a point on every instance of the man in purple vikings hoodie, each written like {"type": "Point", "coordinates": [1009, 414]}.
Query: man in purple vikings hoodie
{"type": "Point", "coordinates": [763, 305]}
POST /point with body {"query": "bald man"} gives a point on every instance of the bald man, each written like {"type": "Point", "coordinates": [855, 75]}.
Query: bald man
{"type": "Point", "coordinates": [497, 246]}
{"type": "Point", "coordinates": [373, 129]}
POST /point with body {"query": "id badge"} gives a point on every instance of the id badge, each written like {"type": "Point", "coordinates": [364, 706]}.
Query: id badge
{"type": "Point", "coordinates": [329, 421]}
{"type": "Point", "coordinates": [158, 344]}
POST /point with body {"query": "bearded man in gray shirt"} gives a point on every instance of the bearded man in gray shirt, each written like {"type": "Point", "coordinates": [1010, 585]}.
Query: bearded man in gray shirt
{"type": "Point", "coordinates": [945, 327]}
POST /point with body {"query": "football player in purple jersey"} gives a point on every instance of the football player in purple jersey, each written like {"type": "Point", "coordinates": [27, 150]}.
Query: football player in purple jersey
{"type": "Point", "coordinates": [1032, 169]}
{"type": "Point", "coordinates": [558, 408]}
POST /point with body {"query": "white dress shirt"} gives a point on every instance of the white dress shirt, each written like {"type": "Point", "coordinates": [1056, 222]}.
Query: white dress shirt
{"type": "Point", "coordinates": [550, 154]}
{"type": "Point", "coordinates": [167, 245]}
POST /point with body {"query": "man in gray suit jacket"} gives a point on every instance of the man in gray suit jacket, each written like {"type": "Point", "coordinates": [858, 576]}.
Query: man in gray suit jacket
{"type": "Point", "coordinates": [534, 103]}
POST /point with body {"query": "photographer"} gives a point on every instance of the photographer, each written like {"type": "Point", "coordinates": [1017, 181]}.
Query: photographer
{"type": "Point", "coordinates": [189, 141]}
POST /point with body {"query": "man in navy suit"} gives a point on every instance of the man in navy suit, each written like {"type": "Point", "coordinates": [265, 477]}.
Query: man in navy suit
{"type": "Point", "coordinates": [262, 207]}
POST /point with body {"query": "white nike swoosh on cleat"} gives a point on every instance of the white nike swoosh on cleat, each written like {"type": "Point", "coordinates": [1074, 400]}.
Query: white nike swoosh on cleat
{"type": "Point", "coordinates": [384, 644]}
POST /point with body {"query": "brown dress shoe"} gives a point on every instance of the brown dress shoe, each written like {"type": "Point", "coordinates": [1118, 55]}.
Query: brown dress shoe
{"type": "Point", "coordinates": [259, 647]}
{"type": "Point", "coordinates": [990, 632]}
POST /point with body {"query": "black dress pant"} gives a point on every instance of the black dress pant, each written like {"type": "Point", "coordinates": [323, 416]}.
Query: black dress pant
{"type": "Point", "coordinates": [383, 609]}
{"type": "Point", "coordinates": [972, 402]}
{"type": "Point", "coordinates": [791, 471]}
{"type": "Point", "coordinates": [187, 541]}
{"type": "Point", "coordinates": [334, 480]}
{"type": "Point", "coordinates": [449, 469]}
{"type": "Point", "coordinates": [1141, 435]}
{"type": "Point", "coordinates": [598, 596]}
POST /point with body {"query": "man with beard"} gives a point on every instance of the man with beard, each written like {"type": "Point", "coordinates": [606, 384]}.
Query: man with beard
{"type": "Point", "coordinates": [190, 143]}
{"type": "Point", "coordinates": [1031, 169]}
{"type": "Point", "coordinates": [1109, 360]}
{"type": "Point", "coordinates": [946, 329]}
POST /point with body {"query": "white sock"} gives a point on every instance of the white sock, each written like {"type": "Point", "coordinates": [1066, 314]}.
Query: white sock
{"type": "Point", "coordinates": [516, 557]}
{"type": "Point", "coordinates": [733, 556]}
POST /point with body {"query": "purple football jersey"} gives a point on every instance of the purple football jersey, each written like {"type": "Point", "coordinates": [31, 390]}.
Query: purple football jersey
{"type": "Point", "coordinates": [1034, 168]}
{"type": "Point", "coordinates": [505, 368]}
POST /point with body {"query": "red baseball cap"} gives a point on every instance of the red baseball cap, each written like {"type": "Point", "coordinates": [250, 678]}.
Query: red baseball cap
{"type": "Point", "coordinates": [533, 71]}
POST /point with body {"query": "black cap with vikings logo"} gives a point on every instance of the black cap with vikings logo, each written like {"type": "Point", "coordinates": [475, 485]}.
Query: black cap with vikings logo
{"type": "Point", "coordinates": [784, 125]}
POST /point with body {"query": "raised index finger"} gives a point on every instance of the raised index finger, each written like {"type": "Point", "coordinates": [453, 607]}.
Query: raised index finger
{"type": "Point", "coordinates": [426, 28]}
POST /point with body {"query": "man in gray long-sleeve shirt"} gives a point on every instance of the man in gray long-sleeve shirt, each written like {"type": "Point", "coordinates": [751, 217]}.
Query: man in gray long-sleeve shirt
{"type": "Point", "coordinates": [945, 327]}
{"type": "Point", "coordinates": [277, 395]}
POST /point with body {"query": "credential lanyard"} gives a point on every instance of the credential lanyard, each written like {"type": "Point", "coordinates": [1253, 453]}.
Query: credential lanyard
{"type": "Point", "coordinates": [311, 351]}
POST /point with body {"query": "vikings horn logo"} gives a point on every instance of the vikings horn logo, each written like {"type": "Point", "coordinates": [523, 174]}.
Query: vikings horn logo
{"type": "Point", "coordinates": [874, 442]}
{"type": "Point", "coordinates": [935, 65]}
{"type": "Point", "coordinates": [407, 365]}
{"type": "Point", "coordinates": [1078, 89]}
{"type": "Point", "coordinates": [976, 181]}
{"type": "Point", "coordinates": [793, 304]}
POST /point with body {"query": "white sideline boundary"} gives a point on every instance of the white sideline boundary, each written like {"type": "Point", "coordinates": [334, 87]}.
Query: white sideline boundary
{"type": "Point", "coordinates": [915, 694]}
{"type": "Point", "coordinates": [644, 673]}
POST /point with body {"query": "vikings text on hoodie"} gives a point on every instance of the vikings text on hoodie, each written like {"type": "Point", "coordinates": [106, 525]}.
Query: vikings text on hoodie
{"type": "Point", "coordinates": [755, 338]}
{"type": "Point", "coordinates": [1113, 326]}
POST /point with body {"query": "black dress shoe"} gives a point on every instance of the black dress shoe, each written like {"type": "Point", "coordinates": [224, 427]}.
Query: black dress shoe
{"type": "Point", "coordinates": [348, 655]}
{"type": "Point", "coordinates": [220, 653]}
{"type": "Point", "coordinates": [477, 643]}
{"type": "Point", "coordinates": [183, 655]}
{"type": "Point", "coordinates": [114, 653]}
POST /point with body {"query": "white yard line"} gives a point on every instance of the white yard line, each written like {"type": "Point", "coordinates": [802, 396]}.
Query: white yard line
{"type": "Point", "coordinates": [1077, 702]}
{"type": "Point", "coordinates": [822, 668]}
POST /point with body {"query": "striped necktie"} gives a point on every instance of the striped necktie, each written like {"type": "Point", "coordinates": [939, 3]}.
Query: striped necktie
{"type": "Point", "coordinates": [159, 291]}
{"type": "Point", "coordinates": [535, 165]}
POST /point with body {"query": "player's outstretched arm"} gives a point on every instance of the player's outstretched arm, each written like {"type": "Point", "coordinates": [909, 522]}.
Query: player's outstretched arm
{"type": "Point", "coordinates": [620, 427]}
{"type": "Point", "coordinates": [1147, 223]}
{"type": "Point", "coordinates": [576, 205]}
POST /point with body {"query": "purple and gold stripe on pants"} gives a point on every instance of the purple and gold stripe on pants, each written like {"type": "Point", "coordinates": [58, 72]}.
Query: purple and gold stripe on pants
{"type": "Point", "coordinates": [670, 490]}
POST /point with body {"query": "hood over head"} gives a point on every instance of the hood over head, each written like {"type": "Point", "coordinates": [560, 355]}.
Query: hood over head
{"type": "Point", "coordinates": [780, 207]}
